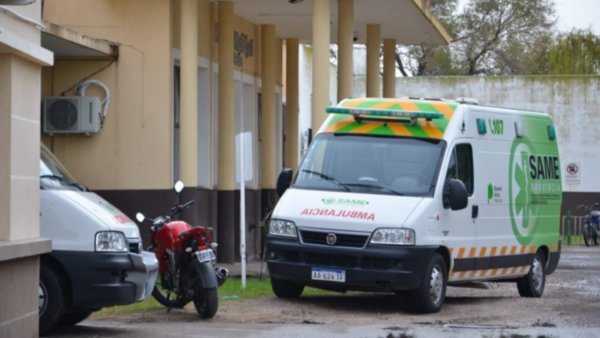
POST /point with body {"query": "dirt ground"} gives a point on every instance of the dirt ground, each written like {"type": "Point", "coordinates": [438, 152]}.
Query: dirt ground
{"type": "Point", "coordinates": [571, 300]}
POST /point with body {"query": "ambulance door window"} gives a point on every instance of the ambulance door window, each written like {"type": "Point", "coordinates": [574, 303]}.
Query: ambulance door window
{"type": "Point", "coordinates": [461, 166]}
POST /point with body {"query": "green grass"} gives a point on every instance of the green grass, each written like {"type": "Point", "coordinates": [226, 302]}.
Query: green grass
{"type": "Point", "coordinates": [575, 240]}
{"type": "Point", "coordinates": [230, 291]}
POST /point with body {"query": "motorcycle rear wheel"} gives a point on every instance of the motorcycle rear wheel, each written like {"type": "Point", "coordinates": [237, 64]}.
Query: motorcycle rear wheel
{"type": "Point", "coordinates": [206, 302]}
{"type": "Point", "coordinates": [167, 297]}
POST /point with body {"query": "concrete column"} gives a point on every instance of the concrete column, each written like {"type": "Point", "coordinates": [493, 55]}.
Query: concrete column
{"type": "Point", "coordinates": [320, 73]}
{"type": "Point", "coordinates": [20, 245]}
{"type": "Point", "coordinates": [19, 148]}
{"type": "Point", "coordinates": [268, 77]}
{"type": "Point", "coordinates": [389, 68]}
{"type": "Point", "coordinates": [226, 98]}
{"type": "Point", "coordinates": [291, 94]}
{"type": "Point", "coordinates": [227, 206]}
{"type": "Point", "coordinates": [188, 117]}
{"type": "Point", "coordinates": [345, 42]}
{"type": "Point", "coordinates": [373, 45]}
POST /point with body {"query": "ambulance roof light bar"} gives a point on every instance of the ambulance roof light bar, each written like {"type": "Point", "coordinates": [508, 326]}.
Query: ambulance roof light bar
{"type": "Point", "coordinates": [378, 113]}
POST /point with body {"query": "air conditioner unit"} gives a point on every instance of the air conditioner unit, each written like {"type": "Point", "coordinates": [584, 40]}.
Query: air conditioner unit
{"type": "Point", "coordinates": [72, 114]}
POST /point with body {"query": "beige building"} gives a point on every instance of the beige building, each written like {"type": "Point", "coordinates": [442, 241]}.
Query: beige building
{"type": "Point", "coordinates": [186, 76]}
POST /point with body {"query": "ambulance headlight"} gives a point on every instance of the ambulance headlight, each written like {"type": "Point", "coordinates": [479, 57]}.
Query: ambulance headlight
{"type": "Point", "coordinates": [111, 241]}
{"type": "Point", "coordinates": [279, 227]}
{"type": "Point", "coordinates": [400, 236]}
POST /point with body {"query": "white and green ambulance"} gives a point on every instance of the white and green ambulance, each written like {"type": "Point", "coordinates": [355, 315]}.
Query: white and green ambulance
{"type": "Point", "coordinates": [409, 196]}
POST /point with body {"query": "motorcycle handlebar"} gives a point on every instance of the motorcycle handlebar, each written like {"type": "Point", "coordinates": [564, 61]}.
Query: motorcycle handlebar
{"type": "Point", "coordinates": [177, 210]}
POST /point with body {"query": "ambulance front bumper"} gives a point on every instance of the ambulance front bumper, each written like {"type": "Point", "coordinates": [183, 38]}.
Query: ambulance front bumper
{"type": "Point", "coordinates": [373, 268]}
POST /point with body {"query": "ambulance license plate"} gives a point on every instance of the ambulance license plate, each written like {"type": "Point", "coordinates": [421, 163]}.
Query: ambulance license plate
{"type": "Point", "coordinates": [205, 255]}
{"type": "Point", "coordinates": [328, 275]}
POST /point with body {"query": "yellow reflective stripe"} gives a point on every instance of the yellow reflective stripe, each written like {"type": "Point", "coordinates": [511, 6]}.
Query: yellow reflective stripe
{"type": "Point", "coordinates": [443, 108]}
{"type": "Point", "coordinates": [399, 129]}
{"type": "Point", "coordinates": [339, 124]}
{"type": "Point", "coordinates": [354, 102]}
{"type": "Point", "coordinates": [366, 128]}
{"type": "Point", "coordinates": [431, 130]}
{"type": "Point", "coordinates": [471, 252]}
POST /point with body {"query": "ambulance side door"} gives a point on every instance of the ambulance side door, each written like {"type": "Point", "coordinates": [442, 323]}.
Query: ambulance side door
{"type": "Point", "coordinates": [461, 225]}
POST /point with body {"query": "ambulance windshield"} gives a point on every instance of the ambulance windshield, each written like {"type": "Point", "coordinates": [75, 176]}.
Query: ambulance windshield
{"type": "Point", "coordinates": [371, 164]}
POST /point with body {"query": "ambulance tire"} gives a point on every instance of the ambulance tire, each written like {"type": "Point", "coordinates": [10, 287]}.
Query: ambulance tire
{"type": "Point", "coordinates": [532, 285]}
{"type": "Point", "coordinates": [286, 289]}
{"type": "Point", "coordinates": [429, 298]}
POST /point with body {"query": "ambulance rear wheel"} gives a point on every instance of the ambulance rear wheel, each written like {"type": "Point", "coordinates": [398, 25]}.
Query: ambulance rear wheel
{"type": "Point", "coordinates": [429, 298]}
{"type": "Point", "coordinates": [286, 289]}
{"type": "Point", "coordinates": [532, 284]}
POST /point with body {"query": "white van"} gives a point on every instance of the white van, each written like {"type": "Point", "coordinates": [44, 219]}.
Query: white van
{"type": "Point", "coordinates": [409, 196]}
{"type": "Point", "coordinates": [96, 259]}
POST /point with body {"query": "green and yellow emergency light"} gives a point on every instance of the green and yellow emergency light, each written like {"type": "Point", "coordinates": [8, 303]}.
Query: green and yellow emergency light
{"type": "Point", "coordinates": [357, 112]}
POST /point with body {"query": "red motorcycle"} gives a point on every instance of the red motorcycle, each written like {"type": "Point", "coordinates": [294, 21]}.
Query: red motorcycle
{"type": "Point", "coordinates": [186, 259]}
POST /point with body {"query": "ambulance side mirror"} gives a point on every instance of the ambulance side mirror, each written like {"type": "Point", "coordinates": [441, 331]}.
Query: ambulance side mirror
{"type": "Point", "coordinates": [455, 195]}
{"type": "Point", "coordinates": [284, 180]}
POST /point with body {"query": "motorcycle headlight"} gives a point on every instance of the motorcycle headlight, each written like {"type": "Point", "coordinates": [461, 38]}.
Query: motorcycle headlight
{"type": "Point", "coordinates": [400, 236]}
{"type": "Point", "coordinates": [111, 241]}
{"type": "Point", "coordinates": [280, 227]}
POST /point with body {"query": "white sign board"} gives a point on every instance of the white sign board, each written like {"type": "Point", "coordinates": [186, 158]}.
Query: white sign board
{"type": "Point", "coordinates": [243, 147]}
{"type": "Point", "coordinates": [572, 173]}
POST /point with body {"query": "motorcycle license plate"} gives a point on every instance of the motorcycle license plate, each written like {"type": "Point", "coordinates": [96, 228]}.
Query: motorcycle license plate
{"type": "Point", "coordinates": [328, 275]}
{"type": "Point", "coordinates": [205, 255]}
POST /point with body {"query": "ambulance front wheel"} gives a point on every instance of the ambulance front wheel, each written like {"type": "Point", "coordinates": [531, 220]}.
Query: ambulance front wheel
{"type": "Point", "coordinates": [286, 289]}
{"type": "Point", "coordinates": [532, 284]}
{"type": "Point", "coordinates": [429, 298]}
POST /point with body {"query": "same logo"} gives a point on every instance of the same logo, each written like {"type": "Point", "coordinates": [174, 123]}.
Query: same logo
{"type": "Point", "coordinates": [519, 191]}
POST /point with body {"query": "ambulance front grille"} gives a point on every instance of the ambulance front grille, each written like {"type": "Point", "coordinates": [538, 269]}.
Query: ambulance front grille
{"type": "Point", "coordinates": [315, 237]}
{"type": "Point", "coordinates": [342, 261]}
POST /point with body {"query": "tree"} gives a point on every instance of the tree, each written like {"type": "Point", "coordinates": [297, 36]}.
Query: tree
{"type": "Point", "coordinates": [576, 52]}
{"type": "Point", "coordinates": [499, 36]}
{"type": "Point", "coordinates": [430, 60]}
{"type": "Point", "coordinates": [490, 37]}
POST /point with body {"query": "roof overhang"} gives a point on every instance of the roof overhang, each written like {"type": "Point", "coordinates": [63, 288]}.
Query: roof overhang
{"type": "Point", "coordinates": [409, 22]}
{"type": "Point", "coordinates": [69, 44]}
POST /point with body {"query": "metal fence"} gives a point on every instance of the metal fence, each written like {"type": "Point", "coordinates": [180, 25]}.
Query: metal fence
{"type": "Point", "coordinates": [576, 225]}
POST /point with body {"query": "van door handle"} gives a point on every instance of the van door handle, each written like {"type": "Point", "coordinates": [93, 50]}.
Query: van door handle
{"type": "Point", "coordinates": [475, 211]}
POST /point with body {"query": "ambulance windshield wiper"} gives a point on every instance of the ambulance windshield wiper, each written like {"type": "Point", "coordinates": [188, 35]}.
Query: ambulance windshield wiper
{"type": "Point", "coordinates": [327, 178]}
{"type": "Point", "coordinates": [375, 185]}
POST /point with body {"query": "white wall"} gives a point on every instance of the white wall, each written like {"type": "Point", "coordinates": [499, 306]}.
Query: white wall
{"type": "Point", "coordinates": [572, 101]}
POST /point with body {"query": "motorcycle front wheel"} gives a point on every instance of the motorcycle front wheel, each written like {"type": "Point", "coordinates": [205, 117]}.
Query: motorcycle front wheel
{"type": "Point", "coordinates": [168, 298]}
{"type": "Point", "coordinates": [206, 302]}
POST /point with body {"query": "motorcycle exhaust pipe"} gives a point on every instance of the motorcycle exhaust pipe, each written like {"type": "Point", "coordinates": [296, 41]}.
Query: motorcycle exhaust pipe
{"type": "Point", "coordinates": [222, 274]}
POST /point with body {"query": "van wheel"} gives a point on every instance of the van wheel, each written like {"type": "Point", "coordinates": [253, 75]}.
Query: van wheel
{"type": "Point", "coordinates": [286, 289]}
{"type": "Point", "coordinates": [429, 298]}
{"type": "Point", "coordinates": [532, 284]}
{"type": "Point", "coordinates": [52, 300]}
